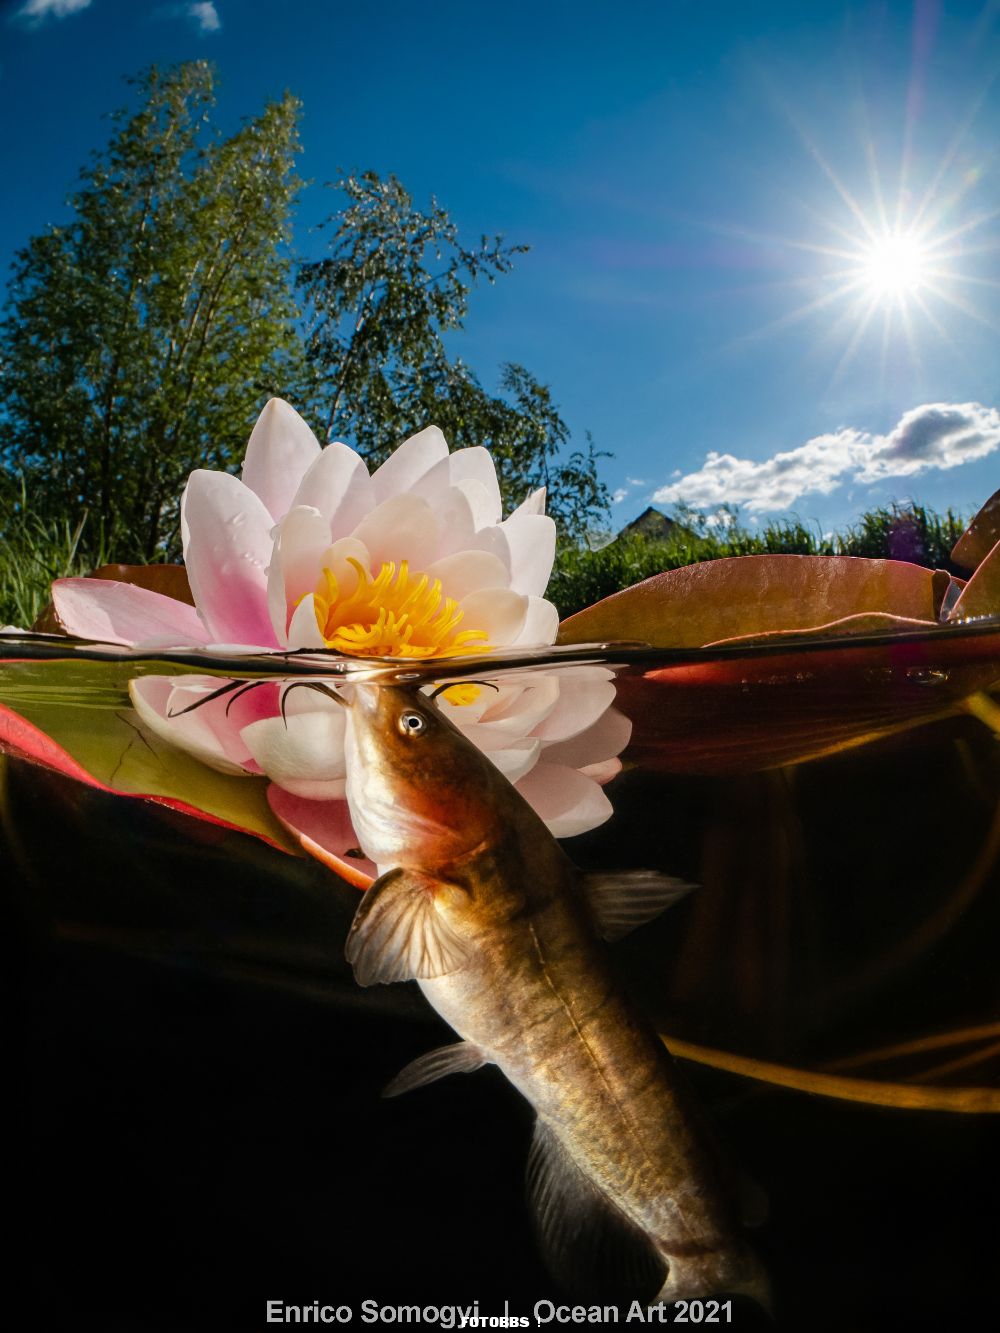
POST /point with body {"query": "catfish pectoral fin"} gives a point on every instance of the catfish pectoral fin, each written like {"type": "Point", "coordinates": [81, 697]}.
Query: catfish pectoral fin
{"type": "Point", "coordinates": [398, 934]}
{"type": "Point", "coordinates": [623, 900]}
{"type": "Point", "coordinates": [460, 1058]}
{"type": "Point", "coordinates": [590, 1247]}
{"type": "Point", "coordinates": [688, 1279]}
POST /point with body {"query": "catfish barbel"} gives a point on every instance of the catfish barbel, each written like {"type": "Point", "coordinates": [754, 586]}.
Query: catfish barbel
{"type": "Point", "coordinates": [481, 905]}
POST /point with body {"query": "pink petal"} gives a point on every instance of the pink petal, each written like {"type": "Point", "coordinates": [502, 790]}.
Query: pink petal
{"type": "Point", "coordinates": [206, 732]}
{"type": "Point", "coordinates": [602, 772]}
{"type": "Point", "coordinates": [532, 539]}
{"type": "Point", "coordinates": [280, 449]}
{"type": "Point", "coordinates": [123, 613]}
{"type": "Point", "coordinates": [601, 741]}
{"type": "Point", "coordinates": [338, 485]}
{"type": "Point", "coordinates": [227, 548]}
{"type": "Point", "coordinates": [325, 831]}
{"type": "Point", "coordinates": [407, 464]}
{"type": "Point", "coordinates": [567, 800]}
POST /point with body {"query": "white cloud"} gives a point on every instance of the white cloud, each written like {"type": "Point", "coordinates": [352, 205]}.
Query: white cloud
{"type": "Point", "coordinates": [635, 481]}
{"type": "Point", "coordinates": [619, 495]}
{"type": "Point", "coordinates": [37, 11]}
{"type": "Point", "coordinates": [935, 435]}
{"type": "Point", "coordinates": [205, 15]}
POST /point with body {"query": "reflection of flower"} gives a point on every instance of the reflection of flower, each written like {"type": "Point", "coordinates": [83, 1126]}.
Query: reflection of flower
{"type": "Point", "coordinates": [310, 551]}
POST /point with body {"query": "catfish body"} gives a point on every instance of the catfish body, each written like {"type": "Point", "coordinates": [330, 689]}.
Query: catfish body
{"type": "Point", "coordinates": [483, 907]}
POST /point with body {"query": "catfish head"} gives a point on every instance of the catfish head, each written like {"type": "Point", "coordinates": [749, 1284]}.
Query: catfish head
{"type": "Point", "coordinates": [420, 793]}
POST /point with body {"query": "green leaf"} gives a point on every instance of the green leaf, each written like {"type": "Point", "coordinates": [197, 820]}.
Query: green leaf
{"type": "Point", "coordinates": [75, 717]}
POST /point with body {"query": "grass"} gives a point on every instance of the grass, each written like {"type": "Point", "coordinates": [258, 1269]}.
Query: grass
{"type": "Point", "coordinates": [581, 577]}
{"type": "Point", "coordinates": [33, 552]}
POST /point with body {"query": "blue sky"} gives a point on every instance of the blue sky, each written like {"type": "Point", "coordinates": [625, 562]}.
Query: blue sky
{"type": "Point", "coordinates": [763, 260]}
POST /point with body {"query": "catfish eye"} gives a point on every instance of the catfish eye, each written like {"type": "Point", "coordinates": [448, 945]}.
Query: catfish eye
{"type": "Point", "coordinates": [412, 724]}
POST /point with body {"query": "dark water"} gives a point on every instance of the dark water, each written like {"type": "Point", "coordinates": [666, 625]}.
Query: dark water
{"type": "Point", "coordinates": [196, 1078]}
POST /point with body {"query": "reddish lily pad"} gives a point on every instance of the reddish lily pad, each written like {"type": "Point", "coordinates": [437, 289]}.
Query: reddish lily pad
{"type": "Point", "coordinates": [755, 595]}
{"type": "Point", "coordinates": [746, 713]}
{"type": "Point", "coordinates": [981, 595]}
{"type": "Point", "coordinates": [980, 537]}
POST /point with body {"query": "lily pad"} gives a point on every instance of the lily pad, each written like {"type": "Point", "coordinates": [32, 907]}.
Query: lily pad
{"type": "Point", "coordinates": [981, 595]}
{"type": "Point", "coordinates": [754, 595]}
{"type": "Point", "coordinates": [765, 709]}
{"type": "Point", "coordinates": [75, 717]}
{"type": "Point", "coordinates": [980, 537]}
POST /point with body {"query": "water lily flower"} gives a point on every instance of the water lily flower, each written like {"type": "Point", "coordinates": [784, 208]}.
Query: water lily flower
{"type": "Point", "coordinates": [309, 551]}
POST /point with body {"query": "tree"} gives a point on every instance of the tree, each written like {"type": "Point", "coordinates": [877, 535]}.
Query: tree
{"type": "Point", "coordinates": [140, 338]}
{"type": "Point", "coordinates": [394, 284]}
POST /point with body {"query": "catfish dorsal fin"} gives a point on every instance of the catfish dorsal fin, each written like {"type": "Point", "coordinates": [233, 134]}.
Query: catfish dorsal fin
{"type": "Point", "coordinates": [589, 1245]}
{"type": "Point", "coordinates": [460, 1058]}
{"type": "Point", "coordinates": [623, 899]}
{"type": "Point", "coordinates": [398, 933]}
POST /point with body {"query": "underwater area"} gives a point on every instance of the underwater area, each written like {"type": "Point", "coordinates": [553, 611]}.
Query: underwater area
{"type": "Point", "coordinates": [198, 1075]}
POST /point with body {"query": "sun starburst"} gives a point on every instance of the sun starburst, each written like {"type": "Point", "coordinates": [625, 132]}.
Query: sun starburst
{"type": "Point", "coordinates": [898, 263]}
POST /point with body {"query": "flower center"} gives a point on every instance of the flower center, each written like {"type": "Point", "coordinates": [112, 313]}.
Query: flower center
{"type": "Point", "coordinates": [394, 614]}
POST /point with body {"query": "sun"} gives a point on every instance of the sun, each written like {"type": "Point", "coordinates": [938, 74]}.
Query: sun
{"type": "Point", "coordinates": [888, 264]}
{"type": "Point", "coordinates": [895, 266]}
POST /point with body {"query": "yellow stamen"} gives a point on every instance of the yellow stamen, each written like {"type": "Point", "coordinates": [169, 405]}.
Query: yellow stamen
{"type": "Point", "coordinates": [393, 615]}
{"type": "Point", "coordinates": [462, 694]}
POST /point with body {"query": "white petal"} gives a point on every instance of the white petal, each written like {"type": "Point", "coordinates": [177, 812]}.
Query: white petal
{"type": "Point", "coordinates": [567, 800]}
{"type": "Point", "coordinates": [493, 540]}
{"type": "Point", "coordinates": [581, 703]}
{"type": "Point", "coordinates": [498, 611]}
{"type": "Point", "coordinates": [299, 542]}
{"type": "Point", "coordinates": [303, 752]}
{"type": "Point", "coordinates": [476, 464]}
{"type": "Point", "coordinates": [541, 624]}
{"type": "Point", "coordinates": [532, 539]}
{"type": "Point", "coordinates": [303, 628]}
{"type": "Point", "coordinates": [338, 485]}
{"type": "Point", "coordinates": [465, 572]}
{"type": "Point", "coordinates": [280, 449]}
{"type": "Point", "coordinates": [516, 761]}
{"type": "Point", "coordinates": [159, 700]}
{"type": "Point", "coordinates": [402, 528]}
{"type": "Point", "coordinates": [601, 741]}
{"type": "Point", "coordinates": [406, 465]}
{"type": "Point", "coordinates": [534, 504]}
{"type": "Point", "coordinates": [480, 502]}
{"type": "Point", "coordinates": [522, 704]}
{"type": "Point", "coordinates": [227, 551]}
{"type": "Point", "coordinates": [113, 612]}
{"type": "Point", "coordinates": [340, 559]}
